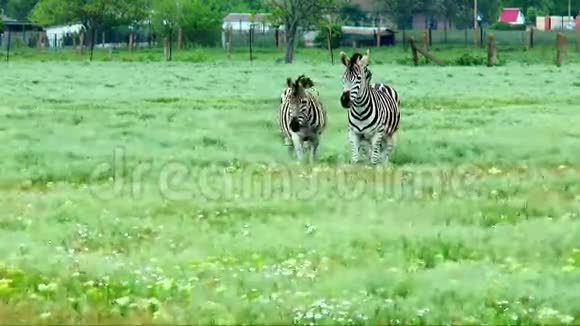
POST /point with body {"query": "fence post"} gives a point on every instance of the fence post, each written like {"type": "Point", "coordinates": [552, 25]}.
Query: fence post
{"type": "Point", "coordinates": [490, 49]}
{"type": "Point", "coordinates": [560, 43]}
{"type": "Point", "coordinates": [130, 45]}
{"type": "Point", "coordinates": [82, 42]}
{"type": "Point", "coordinates": [578, 33]}
{"type": "Point", "coordinates": [414, 50]}
{"type": "Point", "coordinates": [180, 38]}
{"type": "Point", "coordinates": [8, 46]}
{"type": "Point", "coordinates": [475, 37]}
{"type": "Point", "coordinates": [329, 38]}
{"type": "Point", "coordinates": [424, 40]}
{"type": "Point", "coordinates": [165, 47]}
{"type": "Point", "coordinates": [250, 35]}
{"type": "Point", "coordinates": [229, 43]}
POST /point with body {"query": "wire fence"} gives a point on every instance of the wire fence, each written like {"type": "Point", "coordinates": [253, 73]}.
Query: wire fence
{"type": "Point", "coordinates": [276, 39]}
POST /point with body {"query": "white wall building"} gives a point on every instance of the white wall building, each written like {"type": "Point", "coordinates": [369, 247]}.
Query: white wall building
{"type": "Point", "coordinates": [60, 31]}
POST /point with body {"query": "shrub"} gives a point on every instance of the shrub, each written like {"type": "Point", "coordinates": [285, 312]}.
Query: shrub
{"type": "Point", "coordinates": [469, 59]}
{"type": "Point", "coordinates": [503, 26]}
{"type": "Point", "coordinates": [1, 26]}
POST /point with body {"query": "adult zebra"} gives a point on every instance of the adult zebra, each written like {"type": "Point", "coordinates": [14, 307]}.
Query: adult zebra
{"type": "Point", "coordinates": [373, 114]}
{"type": "Point", "coordinates": [301, 116]}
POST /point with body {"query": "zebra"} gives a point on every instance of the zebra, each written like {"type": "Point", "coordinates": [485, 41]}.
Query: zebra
{"type": "Point", "coordinates": [373, 109]}
{"type": "Point", "coordinates": [301, 116]}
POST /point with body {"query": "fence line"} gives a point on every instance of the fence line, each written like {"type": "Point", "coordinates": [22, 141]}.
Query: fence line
{"type": "Point", "coordinates": [272, 39]}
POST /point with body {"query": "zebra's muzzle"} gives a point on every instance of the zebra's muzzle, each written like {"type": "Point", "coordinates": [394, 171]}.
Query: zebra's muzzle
{"type": "Point", "coordinates": [345, 100]}
{"type": "Point", "coordinates": [294, 124]}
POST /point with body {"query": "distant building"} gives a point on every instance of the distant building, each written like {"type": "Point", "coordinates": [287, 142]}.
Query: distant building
{"type": "Point", "coordinates": [512, 16]}
{"type": "Point", "coordinates": [19, 31]}
{"type": "Point", "coordinates": [57, 34]}
{"type": "Point", "coordinates": [241, 22]}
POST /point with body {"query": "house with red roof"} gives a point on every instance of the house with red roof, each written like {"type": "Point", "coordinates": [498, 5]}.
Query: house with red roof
{"type": "Point", "coordinates": [512, 16]}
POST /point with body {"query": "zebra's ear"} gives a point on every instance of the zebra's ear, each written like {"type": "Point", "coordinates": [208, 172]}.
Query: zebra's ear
{"type": "Point", "coordinates": [289, 82]}
{"type": "Point", "coordinates": [365, 59]}
{"type": "Point", "coordinates": [344, 59]}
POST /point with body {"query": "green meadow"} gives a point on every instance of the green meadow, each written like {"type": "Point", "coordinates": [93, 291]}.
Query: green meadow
{"type": "Point", "coordinates": [162, 193]}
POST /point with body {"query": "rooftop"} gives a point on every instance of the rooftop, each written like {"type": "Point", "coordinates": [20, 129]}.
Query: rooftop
{"type": "Point", "coordinates": [509, 14]}
{"type": "Point", "coordinates": [246, 17]}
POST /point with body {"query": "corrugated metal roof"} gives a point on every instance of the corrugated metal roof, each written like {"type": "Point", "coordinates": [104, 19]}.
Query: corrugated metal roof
{"type": "Point", "coordinates": [246, 17]}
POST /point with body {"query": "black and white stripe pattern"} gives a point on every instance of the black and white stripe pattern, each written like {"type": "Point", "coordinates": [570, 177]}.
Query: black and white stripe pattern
{"type": "Point", "coordinates": [301, 117]}
{"type": "Point", "coordinates": [373, 114]}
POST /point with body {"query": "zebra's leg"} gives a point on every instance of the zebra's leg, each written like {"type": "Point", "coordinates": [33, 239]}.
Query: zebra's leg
{"type": "Point", "coordinates": [354, 140]}
{"type": "Point", "coordinates": [289, 146]}
{"type": "Point", "coordinates": [298, 146]}
{"type": "Point", "coordinates": [376, 141]}
{"type": "Point", "coordinates": [388, 145]}
{"type": "Point", "coordinates": [366, 148]}
{"type": "Point", "coordinates": [314, 142]}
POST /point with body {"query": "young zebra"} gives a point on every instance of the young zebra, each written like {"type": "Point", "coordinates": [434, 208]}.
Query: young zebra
{"type": "Point", "coordinates": [373, 114]}
{"type": "Point", "coordinates": [301, 116]}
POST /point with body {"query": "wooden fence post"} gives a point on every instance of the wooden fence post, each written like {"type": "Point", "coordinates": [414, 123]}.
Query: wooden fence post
{"type": "Point", "coordinates": [424, 40]}
{"type": "Point", "coordinates": [180, 38]}
{"type": "Point", "coordinates": [165, 47]}
{"type": "Point", "coordinates": [329, 38]}
{"type": "Point", "coordinates": [490, 49]}
{"type": "Point", "coordinates": [81, 42]}
{"type": "Point", "coordinates": [414, 50]}
{"type": "Point", "coordinates": [560, 43]}
{"type": "Point", "coordinates": [131, 42]}
{"type": "Point", "coordinates": [475, 37]}
{"type": "Point", "coordinates": [229, 43]}
{"type": "Point", "coordinates": [251, 36]}
{"type": "Point", "coordinates": [578, 33]}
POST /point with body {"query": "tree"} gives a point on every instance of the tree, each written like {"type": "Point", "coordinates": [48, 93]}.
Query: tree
{"type": "Point", "coordinates": [19, 9]}
{"type": "Point", "coordinates": [298, 13]}
{"type": "Point", "coordinates": [92, 14]}
{"type": "Point", "coordinates": [351, 13]}
{"type": "Point", "coordinates": [199, 18]}
{"type": "Point", "coordinates": [400, 10]}
{"type": "Point", "coordinates": [1, 26]}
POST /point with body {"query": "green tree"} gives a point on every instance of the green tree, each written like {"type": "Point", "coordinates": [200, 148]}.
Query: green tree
{"type": "Point", "coordinates": [92, 14]}
{"type": "Point", "coordinates": [351, 13]}
{"type": "Point", "coordinates": [19, 9]}
{"type": "Point", "coordinates": [400, 10]}
{"type": "Point", "coordinates": [1, 26]}
{"type": "Point", "coordinates": [200, 19]}
{"type": "Point", "coordinates": [298, 13]}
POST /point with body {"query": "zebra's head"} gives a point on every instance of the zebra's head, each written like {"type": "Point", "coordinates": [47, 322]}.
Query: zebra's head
{"type": "Point", "coordinates": [355, 77]}
{"type": "Point", "coordinates": [298, 101]}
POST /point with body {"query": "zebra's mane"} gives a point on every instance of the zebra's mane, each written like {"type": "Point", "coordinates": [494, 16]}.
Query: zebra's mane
{"type": "Point", "coordinates": [355, 57]}
{"type": "Point", "coordinates": [353, 60]}
{"type": "Point", "coordinates": [302, 82]}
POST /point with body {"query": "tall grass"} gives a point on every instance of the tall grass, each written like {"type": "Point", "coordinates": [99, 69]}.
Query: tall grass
{"type": "Point", "coordinates": [162, 193]}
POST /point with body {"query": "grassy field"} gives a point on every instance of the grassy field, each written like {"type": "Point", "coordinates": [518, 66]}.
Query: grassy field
{"type": "Point", "coordinates": [161, 193]}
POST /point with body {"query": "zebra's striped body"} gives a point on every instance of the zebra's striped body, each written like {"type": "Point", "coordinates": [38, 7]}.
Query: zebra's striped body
{"type": "Point", "coordinates": [301, 116]}
{"type": "Point", "coordinates": [373, 114]}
